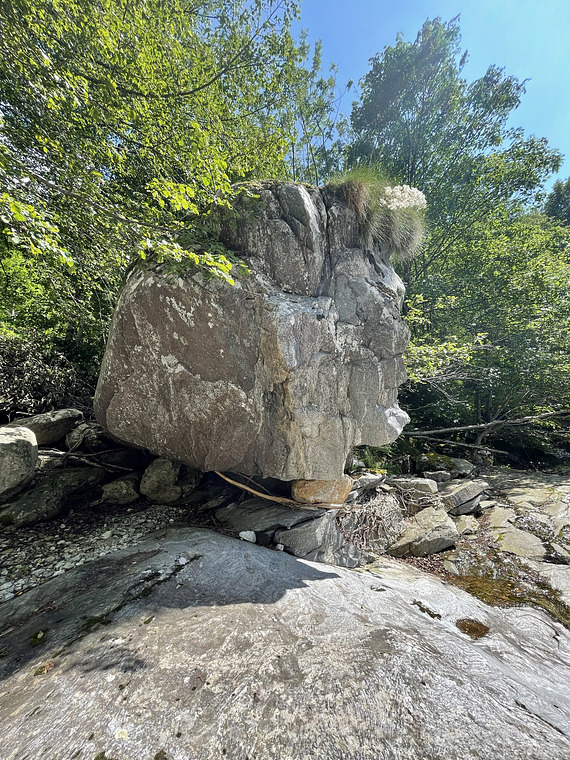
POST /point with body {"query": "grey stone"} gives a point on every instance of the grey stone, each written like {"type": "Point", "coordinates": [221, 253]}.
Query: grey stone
{"type": "Point", "coordinates": [519, 542]}
{"type": "Point", "coordinates": [498, 517]}
{"type": "Point", "coordinates": [50, 427]}
{"type": "Point", "coordinates": [466, 525]}
{"type": "Point", "coordinates": [247, 648]}
{"type": "Point", "coordinates": [441, 476]}
{"type": "Point", "coordinates": [321, 540]}
{"type": "Point", "coordinates": [247, 535]}
{"type": "Point", "coordinates": [18, 456]}
{"type": "Point", "coordinates": [87, 437]}
{"type": "Point", "coordinates": [430, 531]}
{"type": "Point", "coordinates": [367, 481]}
{"type": "Point", "coordinates": [422, 485]}
{"type": "Point", "coordinates": [455, 496]}
{"type": "Point", "coordinates": [121, 491]}
{"type": "Point", "coordinates": [467, 507]}
{"type": "Point", "coordinates": [159, 481]}
{"type": "Point", "coordinates": [261, 515]}
{"type": "Point", "coordinates": [53, 495]}
{"type": "Point", "coordinates": [280, 375]}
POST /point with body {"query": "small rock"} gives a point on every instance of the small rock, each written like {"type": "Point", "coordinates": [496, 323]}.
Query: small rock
{"type": "Point", "coordinates": [321, 491]}
{"type": "Point", "coordinates": [423, 485]}
{"type": "Point", "coordinates": [18, 456]}
{"type": "Point", "coordinates": [121, 491]}
{"type": "Point", "coordinates": [430, 531]}
{"type": "Point", "coordinates": [247, 535]}
{"type": "Point", "coordinates": [159, 482]}
{"type": "Point", "coordinates": [519, 542]}
{"type": "Point", "coordinates": [442, 476]}
{"type": "Point", "coordinates": [456, 496]}
{"type": "Point", "coordinates": [367, 481]}
{"type": "Point", "coordinates": [466, 525]}
{"type": "Point", "coordinates": [106, 535]}
{"type": "Point", "coordinates": [487, 503]}
{"type": "Point", "coordinates": [498, 517]}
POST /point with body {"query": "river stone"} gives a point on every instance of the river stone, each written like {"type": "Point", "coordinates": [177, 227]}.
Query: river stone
{"type": "Point", "coordinates": [321, 540]}
{"type": "Point", "coordinates": [159, 481]}
{"type": "Point", "coordinates": [498, 517]}
{"type": "Point", "coordinates": [121, 491]}
{"type": "Point", "coordinates": [430, 531]}
{"type": "Point", "coordinates": [280, 375]}
{"type": "Point", "coordinates": [322, 491]}
{"type": "Point", "coordinates": [50, 427]}
{"type": "Point", "coordinates": [421, 485]}
{"type": "Point", "coordinates": [245, 652]}
{"type": "Point", "coordinates": [56, 493]}
{"type": "Point", "coordinates": [261, 515]}
{"type": "Point", "coordinates": [466, 525]}
{"type": "Point", "coordinates": [455, 496]}
{"type": "Point", "coordinates": [18, 456]}
{"type": "Point", "coordinates": [519, 542]}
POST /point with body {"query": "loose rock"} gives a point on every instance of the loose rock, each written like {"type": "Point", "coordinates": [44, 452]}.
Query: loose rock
{"type": "Point", "coordinates": [18, 456]}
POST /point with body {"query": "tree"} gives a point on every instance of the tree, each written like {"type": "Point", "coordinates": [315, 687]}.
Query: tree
{"type": "Point", "coordinates": [121, 123]}
{"type": "Point", "coordinates": [558, 202]}
{"type": "Point", "coordinates": [429, 128]}
{"type": "Point", "coordinates": [487, 302]}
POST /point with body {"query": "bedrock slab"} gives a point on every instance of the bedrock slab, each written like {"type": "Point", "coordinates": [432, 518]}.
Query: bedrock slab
{"type": "Point", "coordinates": [199, 646]}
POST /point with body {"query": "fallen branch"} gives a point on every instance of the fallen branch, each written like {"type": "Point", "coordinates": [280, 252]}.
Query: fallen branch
{"type": "Point", "coordinates": [462, 445]}
{"type": "Point", "coordinates": [281, 499]}
{"type": "Point", "coordinates": [484, 425]}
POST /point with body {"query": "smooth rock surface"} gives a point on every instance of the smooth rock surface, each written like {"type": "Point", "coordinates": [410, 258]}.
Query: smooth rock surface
{"type": "Point", "coordinates": [200, 646]}
{"type": "Point", "coordinates": [18, 457]}
{"type": "Point", "coordinates": [430, 531]}
{"type": "Point", "coordinates": [280, 375]}
{"type": "Point", "coordinates": [519, 542]}
{"type": "Point", "coordinates": [50, 427]}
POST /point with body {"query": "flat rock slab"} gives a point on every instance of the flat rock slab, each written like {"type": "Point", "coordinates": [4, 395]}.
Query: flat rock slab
{"type": "Point", "coordinates": [199, 646]}
{"type": "Point", "coordinates": [519, 542]}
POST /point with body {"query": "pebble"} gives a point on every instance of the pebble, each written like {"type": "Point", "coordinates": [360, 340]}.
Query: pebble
{"type": "Point", "coordinates": [31, 555]}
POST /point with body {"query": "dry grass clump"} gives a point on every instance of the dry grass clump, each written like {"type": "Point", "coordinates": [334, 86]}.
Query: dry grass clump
{"type": "Point", "coordinates": [375, 524]}
{"type": "Point", "coordinates": [392, 214]}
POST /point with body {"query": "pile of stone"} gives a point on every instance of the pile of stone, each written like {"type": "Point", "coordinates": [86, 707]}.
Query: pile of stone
{"type": "Point", "coordinates": [53, 462]}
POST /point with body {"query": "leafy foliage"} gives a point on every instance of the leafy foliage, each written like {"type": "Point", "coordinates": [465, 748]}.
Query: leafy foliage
{"type": "Point", "coordinates": [487, 295]}
{"type": "Point", "coordinates": [558, 202]}
{"type": "Point", "coordinates": [123, 123]}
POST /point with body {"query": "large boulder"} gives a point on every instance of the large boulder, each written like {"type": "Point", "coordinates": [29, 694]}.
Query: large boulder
{"type": "Point", "coordinates": [280, 375]}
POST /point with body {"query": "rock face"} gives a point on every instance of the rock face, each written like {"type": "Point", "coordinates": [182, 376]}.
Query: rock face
{"type": "Point", "coordinates": [280, 375]}
{"type": "Point", "coordinates": [195, 645]}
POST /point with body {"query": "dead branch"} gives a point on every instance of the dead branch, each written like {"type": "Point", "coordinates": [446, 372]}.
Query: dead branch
{"type": "Point", "coordinates": [281, 499]}
{"type": "Point", "coordinates": [495, 423]}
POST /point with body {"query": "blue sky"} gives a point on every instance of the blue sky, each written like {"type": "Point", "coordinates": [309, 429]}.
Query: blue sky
{"type": "Point", "coordinates": [529, 38]}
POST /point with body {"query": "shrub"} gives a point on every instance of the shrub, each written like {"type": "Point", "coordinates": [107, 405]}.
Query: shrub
{"type": "Point", "coordinates": [392, 214]}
